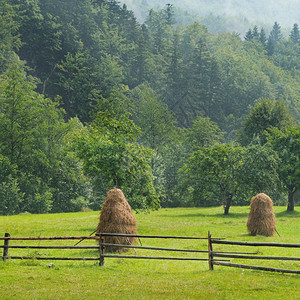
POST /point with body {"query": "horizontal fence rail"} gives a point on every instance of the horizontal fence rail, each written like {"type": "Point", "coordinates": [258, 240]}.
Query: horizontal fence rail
{"type": "Point", "coordinates": [44, 238]}
{"type": "Point", "coordinates": [51, 247]}
{"type": "Point", "coordinates": [257, 268]}
{"type": "Point", "coordinates": [219, 241]}
{"type": "Point", "coordinates": [53, 258]}
{"type": "Point", "coordinates": [153, 257]}
{"type": "Point", "coordinates": [155, 236]}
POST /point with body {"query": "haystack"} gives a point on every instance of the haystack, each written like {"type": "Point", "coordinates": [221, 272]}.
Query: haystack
{"type": "Point", "coordinates": [261, 219]}
{"type": "Point", "coordinates": [117, 217]}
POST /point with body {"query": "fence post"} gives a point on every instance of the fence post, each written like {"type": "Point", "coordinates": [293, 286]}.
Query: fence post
{"type": "Point", "coordinates": [210, 253]}
{"type": "Point", "coordinates": [6, 247]}
{"type": "Point", "coordinates": [101, 249]}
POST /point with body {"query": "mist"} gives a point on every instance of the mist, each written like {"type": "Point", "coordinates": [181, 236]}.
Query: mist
{"type": "Point", "coordinates": [259, 12]}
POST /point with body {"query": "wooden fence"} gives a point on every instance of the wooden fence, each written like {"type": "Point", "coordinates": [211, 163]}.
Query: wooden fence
{"type": "Point", "coordinates": [219, 258]}
{"type": "Point", "coordinates": [214, 255]}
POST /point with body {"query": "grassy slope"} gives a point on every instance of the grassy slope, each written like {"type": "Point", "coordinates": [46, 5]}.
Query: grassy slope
{"type": "Point", "coordinates": [149, 279]}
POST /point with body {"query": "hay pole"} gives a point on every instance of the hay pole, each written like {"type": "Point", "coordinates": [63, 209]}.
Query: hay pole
{"type": "Point", "coordinates": [53, 258]}
{"type": "Point", "coordinates": [257, 257]}
{"type": "Point", "coordinates": [255, 267]}
{"type": "Point", "coordinates": [156, 257]}
{"type": "Point", "coordinates": [52, 247]}
{"type": "Point", "coordinates": [85, 238]}
{"type": "Point", "coordinates": [217, 241]}
{"type": "Point", "coordinates": [122, 246]}
{"type": "Point", "coordinates": [155, 236]}
{"type": "Point", "coordinates": [170, 249]}
{"type": "Point", "coordinates": [50, 238]}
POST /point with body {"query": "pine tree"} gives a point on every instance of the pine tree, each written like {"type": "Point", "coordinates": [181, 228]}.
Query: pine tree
{"type": "Point", "coordinates": [169, 14]}
{"type": "Point", "coordinates": [262, 37]}
{"type": "Point", "coordinates": [276, 33]}
{"type": "Point", "coordinates": [255, 33]}
{"type": "Point", "coordinates": [270, 46]}
{"type": "Point", "coordinates": [295, 34]}
{"type": "Point", "coordinates": [249, 36]}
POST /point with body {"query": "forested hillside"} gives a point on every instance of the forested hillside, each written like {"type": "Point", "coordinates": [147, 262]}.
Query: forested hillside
{"type": "Point", "coordinates": [172, 114]}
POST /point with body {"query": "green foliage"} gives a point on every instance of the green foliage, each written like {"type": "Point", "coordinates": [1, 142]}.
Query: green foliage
{"type": "Point", "coordinates": [10, 195]}
{"type": "Point", "coordinates": [212, 175]}
{"type": "Point", "coordinates": [204, 133]}
{"type": "Point", "coordinates": [153, 117]}
{"type": "Point", "coordinates": [184, 85]}
{"type": "Point", "coordinates": [286, 143]}
{"type": "Point", "coordinates": [31, 137]}
{"type": "Point", "coordinates": [229, 174]}
{"type": "Point", "coordinates": [9, 39]}
{"type": "Point", "coordinates": [265, 114]}
{"type": "Point", "coordinates": [295, 34]}
{"type": "Point", "coordinates": [111, 155]}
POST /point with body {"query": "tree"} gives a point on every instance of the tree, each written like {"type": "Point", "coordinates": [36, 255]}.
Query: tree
{"type": "Point", "coordinates": [263, 115]}
{"type": "Point", "coordinates": [32, 129]}
{"type": "Point", "coordinates": [286, 143]}
{"type": "Point", "coordinates": [111, 156]}
{"type": "Point", "coordinates": [226, 173]}
{"type": "Point", "coordinates": [10, 195]}
{"type": "Point", "coordinates": [262, 37]}
{"type": "Point", "coordinates": [213, 173]}
{"type": "Point", "coordinates": [295, 34]}
{"type": "Point", "coordinates": [158, 131]}
{"type": "Point", "coordinates": [76, 79]}
{"type": "Point", "coordinates": [275, 33]}
{"type": "Point", "coordinates": [9, 39]}
{"type": "Point", "coordinates": [255, 32]}
{"type": "Point", "coordinates": [204, 133]}
{"type": "Point", "coordinates": [38, 30]}
{"type": "Point", "coordinates": [258, 172]}
{"type": "Point", "coordinates": [169, 14]}
{"type": "Point", "coordinates": [249, 36]}
{"type": "Point", "coordinates": [153, 117]}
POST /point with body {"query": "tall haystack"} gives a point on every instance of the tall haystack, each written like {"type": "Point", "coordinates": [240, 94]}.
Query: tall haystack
{"type": "Point", "coordinates": [261, 219]}
{"type": "Point", "coordinates": [117, 217]}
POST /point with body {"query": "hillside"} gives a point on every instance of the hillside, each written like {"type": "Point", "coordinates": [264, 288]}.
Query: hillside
{"type": "Point", "coordinates": [92, 99]}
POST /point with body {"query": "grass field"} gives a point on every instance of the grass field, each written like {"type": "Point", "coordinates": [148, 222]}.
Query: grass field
{"type": "Point", "coordinates": [149, 279]}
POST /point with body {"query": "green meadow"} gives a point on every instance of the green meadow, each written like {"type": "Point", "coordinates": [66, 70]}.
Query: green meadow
{"type": "Point", "coordinates": [149, 279]}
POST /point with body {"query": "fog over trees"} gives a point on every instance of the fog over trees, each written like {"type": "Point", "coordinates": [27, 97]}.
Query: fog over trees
{"type": "Point", "coordinates": [241, 12]}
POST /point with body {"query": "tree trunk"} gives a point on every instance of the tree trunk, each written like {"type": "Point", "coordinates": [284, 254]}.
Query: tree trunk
{"type": "Point", "coordinates": [227, 205]}
{"type": "Point", "coordinates": [291, 203]}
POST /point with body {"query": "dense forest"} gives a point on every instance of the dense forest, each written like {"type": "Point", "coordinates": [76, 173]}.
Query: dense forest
{"type": "Point", "coordinates": [175, 115]}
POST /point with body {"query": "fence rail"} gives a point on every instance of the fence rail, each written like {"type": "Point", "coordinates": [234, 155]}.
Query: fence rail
{"type": "Point", "coordinates": [214, 258]}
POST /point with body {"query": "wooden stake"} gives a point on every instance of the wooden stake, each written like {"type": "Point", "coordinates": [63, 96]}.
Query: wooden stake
{"type": "Point", "coordinates": [101, 249]}
{"type": "Point", "coordinates": [6, 247]}
{"type": "Point", "coordinates": [210, 253]}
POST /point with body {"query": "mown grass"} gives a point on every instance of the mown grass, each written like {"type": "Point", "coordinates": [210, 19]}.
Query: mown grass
{"type": "Point", "coordinates": [149, 279]}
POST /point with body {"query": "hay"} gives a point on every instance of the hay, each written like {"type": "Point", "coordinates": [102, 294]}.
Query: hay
{"type": "Point", "coordinates": [117, 217]}
{"type": "Point", "coordinates": [261, 219]}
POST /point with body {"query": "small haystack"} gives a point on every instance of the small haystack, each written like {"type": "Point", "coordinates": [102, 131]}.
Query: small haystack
{"type": "Point", "coordinates": [117, 217]}
{"type": "Point", "coordinates": [261, 219]}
